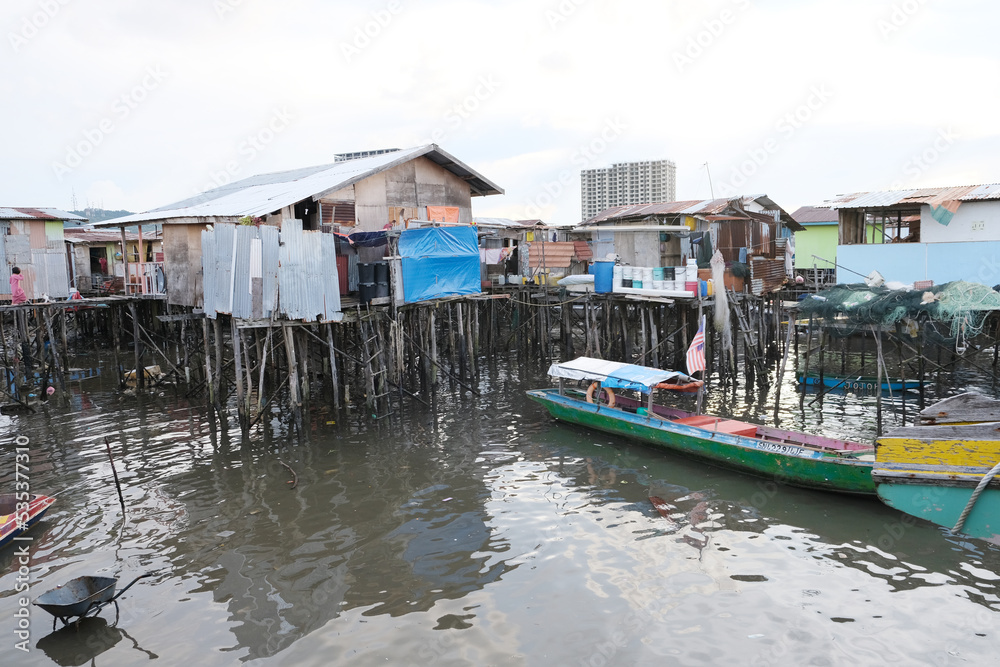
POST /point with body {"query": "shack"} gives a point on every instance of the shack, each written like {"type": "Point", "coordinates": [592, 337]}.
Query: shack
{"type": "Point", "coordinates": [361, 198]}
{"type": "Point", "coordinates": [752, 231]}
{"type": "Point", "coordinates": [32, 239]}
{"type": "Point", "coordinates": [97, 263]}
{"type": "Point", "coordinates": [515, 250]}
{"type": "Point", "coordinates": [937, 234]}
{"type": "Point", "coordinates": [816, 246]}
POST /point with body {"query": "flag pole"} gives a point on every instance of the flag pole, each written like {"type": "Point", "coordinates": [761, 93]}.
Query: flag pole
{"type": "Point", "coordinates": [701, 316]}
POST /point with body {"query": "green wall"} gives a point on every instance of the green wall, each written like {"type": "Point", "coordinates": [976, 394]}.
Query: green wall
{"type": "Point", "coordinates": [818, 239]}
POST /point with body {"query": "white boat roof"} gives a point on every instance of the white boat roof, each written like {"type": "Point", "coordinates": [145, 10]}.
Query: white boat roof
{"type": "Point", "coordinates": [615, 374]}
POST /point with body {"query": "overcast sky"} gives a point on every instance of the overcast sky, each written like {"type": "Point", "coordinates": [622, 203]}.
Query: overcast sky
{"type": "Point", "coordinates": [137, 104]}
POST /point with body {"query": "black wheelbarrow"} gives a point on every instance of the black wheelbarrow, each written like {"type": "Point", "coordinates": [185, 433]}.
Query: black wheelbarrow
{"type": "Point", "coordinates": [82, 597]}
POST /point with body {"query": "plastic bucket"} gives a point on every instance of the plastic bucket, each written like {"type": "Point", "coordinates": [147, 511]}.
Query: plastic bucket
{"type": "Point", "coordinates": [366, 273]}
{"type": "Point", "coordinates": [657, 273]}
{"type": "Point", "coordinates": [668, 273]}
{"type": "Point", "coordinates": [636, 284]}
{"type": "Point", "coordinates": [691, 286]}
{"type": "Point", "coordinates": [604, 276]}
{"type": "Point", "coordinates": [382, 273]}
{"type": "Point", "coordinates": [366, 292]}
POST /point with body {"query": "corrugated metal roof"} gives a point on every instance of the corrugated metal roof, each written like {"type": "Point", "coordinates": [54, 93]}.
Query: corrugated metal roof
{"type": "Point", "coordinates": [703, 207]}
{"type": "Point", "coordinates": [77, 235]}
{"type": "Point", "coordinates": [916, 197]}
{"type": "Point", "coordinates": [265, 193]}
{"type": "Point", "coordinates": [812, 214]}
{"type": "Point", "coordinates": [17, 213]}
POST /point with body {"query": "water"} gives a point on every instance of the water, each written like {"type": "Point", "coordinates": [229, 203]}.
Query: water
{"type": "Point", "coordinates": [484, 533]}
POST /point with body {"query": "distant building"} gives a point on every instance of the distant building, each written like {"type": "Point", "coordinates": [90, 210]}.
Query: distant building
{"type": "Point", "coordinates": [752, 230]}
{"type": "Point", "coordinates": [939, 234]}
{"type": "Point", "coordinates": [32, 240]}
{"type": "Point", "coordinates": [816, 246]}
{"type": "Point", "coordinates": [626, 183]}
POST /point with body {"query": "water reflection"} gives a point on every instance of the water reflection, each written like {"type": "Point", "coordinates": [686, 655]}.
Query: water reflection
{"type": "Point", "coordinates": [481, 533]}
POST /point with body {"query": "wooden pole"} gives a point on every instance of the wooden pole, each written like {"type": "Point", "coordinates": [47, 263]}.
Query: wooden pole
{"type": "Point", "coordinates": [781, 369]}
{"type": "Point", "coordinates": [140, 379]}
{"type": "Point", "coordinates": [333, 364]}
{"type": "Point", "coordinates": [208, 362]}
{"type": "Point", "coordinates": [241, 398]}
{"type": "Point", "coordinates": [293, 375]}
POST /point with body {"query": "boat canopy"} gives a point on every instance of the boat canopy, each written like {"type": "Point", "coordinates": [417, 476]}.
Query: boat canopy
{"type": "Point", "coordinates": [616, 375]}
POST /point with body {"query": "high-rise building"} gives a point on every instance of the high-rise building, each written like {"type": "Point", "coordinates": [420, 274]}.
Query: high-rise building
{"type": "Point", "coordinates": [627, 183]}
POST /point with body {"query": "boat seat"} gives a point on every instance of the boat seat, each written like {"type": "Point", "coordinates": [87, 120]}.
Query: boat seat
{"type": "Point", "coordinates": [711, 423]}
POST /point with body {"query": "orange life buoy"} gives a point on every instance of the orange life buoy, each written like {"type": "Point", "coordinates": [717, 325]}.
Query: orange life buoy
{"type": "Point", "coordinates": [593, 387]}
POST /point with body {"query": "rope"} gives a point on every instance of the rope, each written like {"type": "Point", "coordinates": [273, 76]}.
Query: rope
{"type": "Point", "coordinates": [983, 483]}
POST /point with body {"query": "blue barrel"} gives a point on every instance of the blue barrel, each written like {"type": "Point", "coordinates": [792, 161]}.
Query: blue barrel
{"type": "Point", "coordinates": [604, 276]}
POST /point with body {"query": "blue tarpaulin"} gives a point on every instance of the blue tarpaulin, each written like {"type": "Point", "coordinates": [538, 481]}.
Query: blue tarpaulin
{"type": "Point", "coordinates": [439, 262]}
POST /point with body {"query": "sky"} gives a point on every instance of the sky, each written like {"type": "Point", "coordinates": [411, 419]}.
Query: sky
{"type": "Point", "coordinates": [127, 105]}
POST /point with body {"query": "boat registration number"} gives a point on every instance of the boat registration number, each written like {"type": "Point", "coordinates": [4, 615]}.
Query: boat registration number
{"type": "Point", "coordinates": [789, 450]}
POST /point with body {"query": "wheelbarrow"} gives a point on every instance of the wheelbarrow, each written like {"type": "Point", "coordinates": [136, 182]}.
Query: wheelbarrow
{"type": "Point", "coordinates": [82, 597]}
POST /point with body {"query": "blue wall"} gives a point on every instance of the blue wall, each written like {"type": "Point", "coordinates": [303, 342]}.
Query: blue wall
{"type": "Point", "coordinates": [976, 262]}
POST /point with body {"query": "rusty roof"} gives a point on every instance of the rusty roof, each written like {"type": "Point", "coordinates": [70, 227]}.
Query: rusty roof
{"type": "Point", "coordinates": [812, 214]}
{"type": "Point", "coordinates": [50, 214]}
{"type": "Point", "coordinates": [916, 197]}
{"type": "Point", "coordinates": [698, 207]}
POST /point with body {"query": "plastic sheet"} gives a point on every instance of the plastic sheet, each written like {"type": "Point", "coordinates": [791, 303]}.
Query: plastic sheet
{"type": "Point", "coordinates": [439, 262]}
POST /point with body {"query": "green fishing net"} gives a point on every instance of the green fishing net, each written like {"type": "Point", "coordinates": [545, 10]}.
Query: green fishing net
{"type": "Point", "coordinates": [960, 305]}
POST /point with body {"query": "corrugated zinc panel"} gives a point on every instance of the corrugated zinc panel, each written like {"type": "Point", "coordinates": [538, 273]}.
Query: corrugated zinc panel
{"type": "Point", "coordinates": [208, 272]}
{"type": "Point", "coordinates": [56, 274]}
{"type": "Point", "coordinates": [290, 271]}
{"type": "Point", "coordinates": [352, 272]}
{"type": "Point", "coordinates": [269, 238]}
{"type": "Point", "coordinates": [36, 232]}
{"type": "Point", "coordinates": [241, 295]}
{"type": "Point", "coordinates": [331, 280]}
{"type": "Point", "coordinates": [5, 264]}
{"type": "Point", "coordinates": [990, 191]}
{"type": "Point", "coordinates": [225, 239]}
{"type": "Point", "coordinates": [312, 259]}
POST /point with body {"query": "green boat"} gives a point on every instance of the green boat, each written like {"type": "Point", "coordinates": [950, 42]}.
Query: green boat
{"type": "Point", "coordinates": [798, 459]}
{"type": "Point", "coordinates": [945, 469]}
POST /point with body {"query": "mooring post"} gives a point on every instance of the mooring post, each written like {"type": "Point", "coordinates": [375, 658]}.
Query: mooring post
{"type": "Point", "coordinates": [293, 375]}
{"type": "Point", "coordinates": [140, 380]}
{"type": "Point", "coordinates": [208, 362]}
{"type": "Point", "coordinates": [333, 363]}
{"type": "Point", "coordinates": [241, 399]}
{"type": "Point", "coordinates": [878, 383]}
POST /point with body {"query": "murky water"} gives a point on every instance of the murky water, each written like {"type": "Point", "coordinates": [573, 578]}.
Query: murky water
{"type": "Point", "coordinates": [483, 534]}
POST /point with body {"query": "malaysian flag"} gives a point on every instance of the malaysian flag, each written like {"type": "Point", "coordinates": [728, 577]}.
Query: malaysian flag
{"type": "Point", "coordinates": [696, 352]}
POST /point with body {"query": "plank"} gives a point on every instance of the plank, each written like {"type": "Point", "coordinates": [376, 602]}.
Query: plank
{"type": "Point", "coordinates": [964, 408]}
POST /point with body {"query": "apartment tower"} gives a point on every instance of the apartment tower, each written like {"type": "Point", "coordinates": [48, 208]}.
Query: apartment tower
{"type": "Point", "coordinates": [627, 183]}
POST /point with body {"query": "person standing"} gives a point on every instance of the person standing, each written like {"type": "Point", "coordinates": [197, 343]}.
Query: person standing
{"type": "Point", "coordinates": [17, 294]}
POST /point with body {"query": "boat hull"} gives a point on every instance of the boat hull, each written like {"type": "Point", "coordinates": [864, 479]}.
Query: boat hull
{"type": "Point", "coordinates": [931, 472]}
{"type": "Point", "coordinates": [943, 505]}
{"type": "Point", "coordinates": [10, 527]}
{"type": "Point", "coordinates": [858, 384]}
{"type": "Point", "coordinates": [788, 464]}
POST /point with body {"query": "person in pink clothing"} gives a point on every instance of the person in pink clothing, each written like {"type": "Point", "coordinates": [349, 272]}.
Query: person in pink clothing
{"type": "Point", "coordinates": [16, 291]}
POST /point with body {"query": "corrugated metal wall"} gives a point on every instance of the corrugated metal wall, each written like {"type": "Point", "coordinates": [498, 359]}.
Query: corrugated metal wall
{"type": "Point", "coordinates": [252, 271]}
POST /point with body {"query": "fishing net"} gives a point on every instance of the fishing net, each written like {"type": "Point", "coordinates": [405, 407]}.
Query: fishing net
{"type": "Point", "coordinates": [960, 305]}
